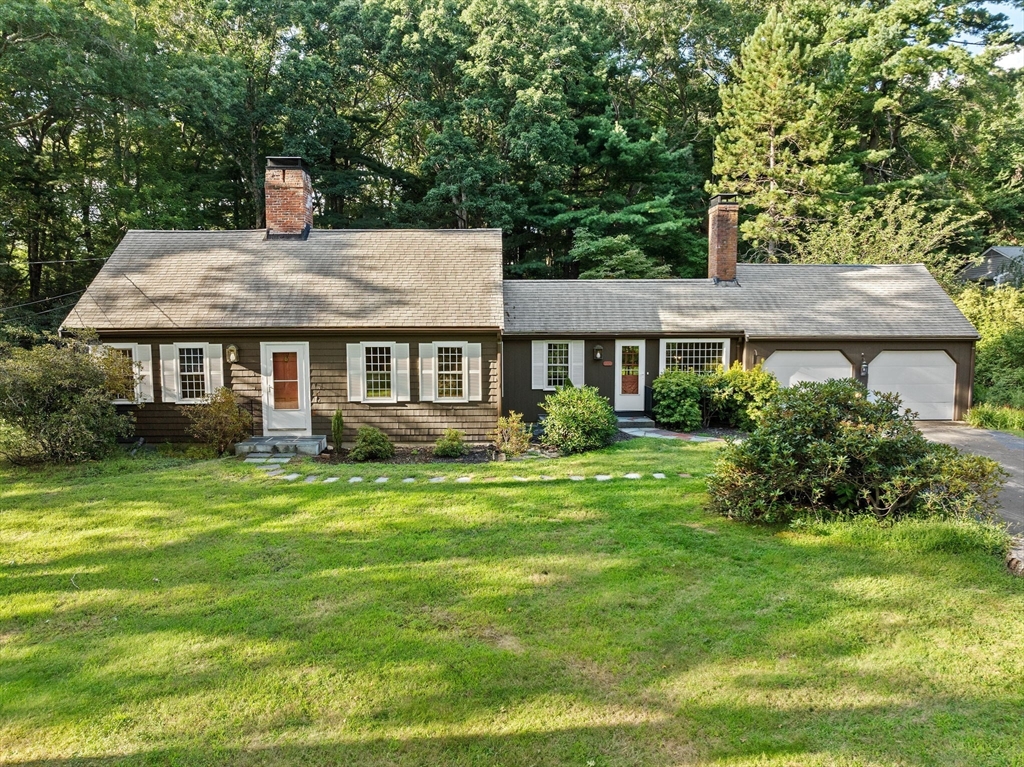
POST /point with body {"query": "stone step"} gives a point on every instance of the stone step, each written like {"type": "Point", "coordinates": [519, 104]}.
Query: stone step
{"type": "Point", "coordinates": [635, 422]}
{"type": "Point", "coordinates": [312, 445]}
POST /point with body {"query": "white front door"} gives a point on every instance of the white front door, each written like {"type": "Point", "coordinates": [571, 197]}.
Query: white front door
{"type": "Point", "coordinates": [629, 375]}
{"type": "Point", "coordinates": [286, 406]}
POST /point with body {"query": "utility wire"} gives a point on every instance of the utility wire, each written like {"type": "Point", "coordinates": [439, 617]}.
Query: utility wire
{"type": "Point", "coordinates": [41, 300]}
{"type": "Point", "coordinates": [57, 308]}
{"type": "Point", "coordinates": [67, 261]}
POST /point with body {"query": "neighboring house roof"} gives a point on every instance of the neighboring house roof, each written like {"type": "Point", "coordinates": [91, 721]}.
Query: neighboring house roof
{"type": "Point", "coordinates": [771, 301]}
{"type": "Point", "coordinates": [993, 263]}
{"type": "Point", "coordinates": [390, 278]}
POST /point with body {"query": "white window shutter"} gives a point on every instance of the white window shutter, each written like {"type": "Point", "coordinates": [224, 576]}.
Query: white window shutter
{"type": "Point", "coordinates": [354, 366]}
{"type": "Point", "coordinates": [215, 366]}
{"type": "Point", "coordinates": [144, 356]}
{"type": "Point", "coordinates": [540, 365]}
{"type": "Point", "coordinates": [168, 373]}
{"type": "Point", "coordinates": [577, 352]}
{"type": "Point", "coordinates": [474, 356]}
{"type": "Point", "coordinates": [662, 346]}
{"type": "Point", "coordinates": [428, 381]}
{"type": "Point", "coordinates": [403, 387]}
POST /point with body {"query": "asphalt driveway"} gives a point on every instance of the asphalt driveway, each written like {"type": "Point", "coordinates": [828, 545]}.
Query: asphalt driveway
{"type": "Point", "coordinates": [1005, 448]}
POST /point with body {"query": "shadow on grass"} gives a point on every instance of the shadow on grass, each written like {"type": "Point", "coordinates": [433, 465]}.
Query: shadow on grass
{"type": "Point", "coordinates": [554, 623]}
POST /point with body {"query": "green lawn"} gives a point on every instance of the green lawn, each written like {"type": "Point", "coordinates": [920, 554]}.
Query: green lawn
{"type": "Point", "coordinates": [161, 612]}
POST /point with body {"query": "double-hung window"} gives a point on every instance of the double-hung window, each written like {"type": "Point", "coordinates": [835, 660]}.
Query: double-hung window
{"type": "Point", "coordinates": [377, 372]}
{"type": "Point", "coordinates": [141, 356]}
{"type": "Point", "coordinates": [450, 371]}
{"type": "Point", "coordinates": [557, 363]}
{"type": "Point", "coordinates": [190, 372]}
{"type": "Point", "coordinates": [695, 355]}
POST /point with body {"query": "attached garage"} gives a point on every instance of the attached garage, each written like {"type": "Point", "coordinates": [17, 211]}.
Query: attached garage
{"type": "Point", "coordinates": [793, 367]}
{"type": "Point", "coordinates": [924, 380]}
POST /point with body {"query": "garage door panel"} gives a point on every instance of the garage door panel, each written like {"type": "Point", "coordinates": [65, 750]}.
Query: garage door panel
{"type": "Point", "coordinates": [793, 367]}
{"type": "Point", "coordinates": [924, 380]}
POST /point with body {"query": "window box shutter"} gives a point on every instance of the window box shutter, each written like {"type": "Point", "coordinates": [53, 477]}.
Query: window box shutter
{"type": "Point", "coordinates": [540, 365]}
{"type": "Point", "coordinates": [168, 373]}
{"type": "Point", "coordinates": [144, 356]}
{"type": "Point", "coordinates": [354, 368]}
{"type": "Point", "coordinates": [428, 381]}
{"type": "Point", "coordinates": [403, 387]}
{"type": "Point", "coordinates": [474, 357]}
{"type": "Point", "coordinates": [577, 352]}
{"type": "Point", "coordinates": [215, 364]}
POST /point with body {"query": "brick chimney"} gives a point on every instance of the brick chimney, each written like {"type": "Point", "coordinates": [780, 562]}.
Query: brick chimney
{"type": "Point", "coordinates": [289, 198]}
{"type": "Point", "coordinates": [723, 222]}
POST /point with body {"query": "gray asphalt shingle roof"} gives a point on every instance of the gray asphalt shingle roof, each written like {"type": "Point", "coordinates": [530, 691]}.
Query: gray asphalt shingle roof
{"type": "Point", "coordinates": [772, 301]}
{"type": "Point", "coordinates": [394, 278]}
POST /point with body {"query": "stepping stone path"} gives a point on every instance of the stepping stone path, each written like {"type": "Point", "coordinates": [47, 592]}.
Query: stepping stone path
{"type": "Point", "coordinates": [254, 460]}
{"type": "Point", "coordinates": [274, 470]}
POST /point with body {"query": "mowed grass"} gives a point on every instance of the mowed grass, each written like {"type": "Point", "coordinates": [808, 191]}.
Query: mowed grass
{"type": "Point", "coordinates": [161, 612]}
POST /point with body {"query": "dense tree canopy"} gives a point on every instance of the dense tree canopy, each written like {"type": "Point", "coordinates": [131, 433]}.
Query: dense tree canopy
{"type": "Point", "coordinates": [590, 131]}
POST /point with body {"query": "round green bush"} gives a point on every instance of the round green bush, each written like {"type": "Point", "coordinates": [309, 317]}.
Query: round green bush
{"type": "Point", "coordinates": [452, 444]}
{"type": "Point", "coordinates": [677, 400]}
{"type": "Point", "coordinates": [833, 449]}
{"type": "Point", "coordinates": [578, 420]}
{"type": "Point", "coordinates": [56, 403]}
{"type": "Point", "coordinates": [372, 445]}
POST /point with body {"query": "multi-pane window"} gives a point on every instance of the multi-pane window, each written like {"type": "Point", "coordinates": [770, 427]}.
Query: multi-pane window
{"type": "Point", "coordinates": [451, 383]}
{"type": "Point", "coordinates": [694, 356]}
{"type": "Point", "coordinates": [192, 372]}
{"type": "Point", "coordinates": [127, 393]}
{"type": "Point", "coordinates": [558, 364]}
{"type": "Point", "coordinates": [378, 370]}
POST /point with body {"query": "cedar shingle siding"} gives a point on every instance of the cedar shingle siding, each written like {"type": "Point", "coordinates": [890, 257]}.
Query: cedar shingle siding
{"type": "Point", "coordinates": [404, 422]}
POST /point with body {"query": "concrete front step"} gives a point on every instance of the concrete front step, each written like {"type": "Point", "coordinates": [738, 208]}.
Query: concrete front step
{"type": "Point", "coordinates": [312, 445]}
{"type": "Point", "coordinates": [635, 422]}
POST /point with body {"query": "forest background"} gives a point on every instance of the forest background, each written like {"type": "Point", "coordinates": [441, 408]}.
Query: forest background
{"type": "Point", "coordinates": [592, 132]}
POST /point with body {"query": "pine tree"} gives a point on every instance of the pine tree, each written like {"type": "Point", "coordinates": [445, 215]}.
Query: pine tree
{"type": "Point", "coordinates": [778, 146]}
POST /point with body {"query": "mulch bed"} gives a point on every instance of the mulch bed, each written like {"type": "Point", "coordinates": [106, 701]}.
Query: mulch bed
{"type": "Point", "coordinates": [413, 455]}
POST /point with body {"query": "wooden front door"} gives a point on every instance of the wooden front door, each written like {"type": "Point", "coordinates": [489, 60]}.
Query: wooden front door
{"type": "Point", "coordinates": [630, 376]}
{"type": "Point", "coordinates": [286, 395]}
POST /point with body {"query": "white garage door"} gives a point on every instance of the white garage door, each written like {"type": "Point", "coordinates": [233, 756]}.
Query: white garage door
{"type": "Point", "coordinates": [925, 381]}
{"type": "Point", "coordinates": [792, 367]}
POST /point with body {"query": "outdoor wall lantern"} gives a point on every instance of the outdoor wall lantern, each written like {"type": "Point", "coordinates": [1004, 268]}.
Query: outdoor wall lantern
{"type": "Point", "coordinates": [863, 367]}
{"type": "Point", "coordinates": [598, 352]}
{"type": "Point", "coordinates": [231, 354]}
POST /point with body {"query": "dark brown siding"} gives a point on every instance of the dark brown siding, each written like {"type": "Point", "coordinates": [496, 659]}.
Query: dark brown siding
{"type": "Point", "coordinates": [518, 363]}
{"type": "Point", "coordinates": [405, 422]}
{"type": "Point", "coordinates": [961, 352]}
